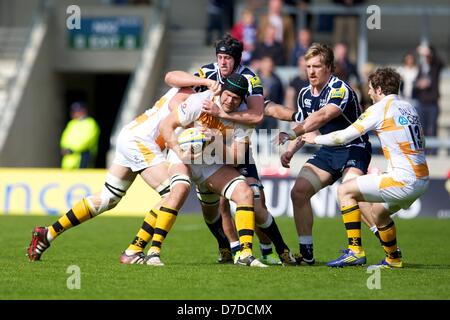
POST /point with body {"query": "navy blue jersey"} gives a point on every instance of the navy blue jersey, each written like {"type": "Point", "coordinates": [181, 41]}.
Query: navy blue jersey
{"type": "Point", "coordinates": [211, 71]}
{"type": "Point", "coordinates": [338, 93]}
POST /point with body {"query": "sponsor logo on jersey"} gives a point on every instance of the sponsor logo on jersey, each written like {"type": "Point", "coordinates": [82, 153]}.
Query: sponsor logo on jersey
{"type": "Point", "coordinates": [183, 107]}
{"type": "Point", "coordinates": [322, 102]}
{"type": "Point", "coordinates": [201, 74]}
{"type": "Point", "coordinates": [307, 103]}
{"type": "Point", "coordinates": [337, 93]}
{"type": "Point", "coordinates": [402, 120]}
{"type": "Point", "coordinates": [255, 82]}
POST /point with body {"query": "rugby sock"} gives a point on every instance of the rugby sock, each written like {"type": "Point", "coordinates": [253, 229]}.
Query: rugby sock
{"type": "Point", "coordinates": [306, 247]}
{"type": "Point", "coordinates": [388, 239]}
{"type": "Point", "coordinates": [266, 248]}
{"type": "Point", "coordinates": [78, 214]}
{"type": "Point", "coordinates": [235, 247]}
{"type": "Point", "coordinates": [270, 228]}
{"type": "Point", "coordinates": [374, 229]}
{"type": "Point", "coordinates": [165, 221]}
{"type": "Point", "coordinates": [245, 225]}
{"type": "Point", "coordinates": [144, 234]}
{"type": "Point", "coordinates": [352, 221]}
{"type": "Point", "coordinates": [217, 231]}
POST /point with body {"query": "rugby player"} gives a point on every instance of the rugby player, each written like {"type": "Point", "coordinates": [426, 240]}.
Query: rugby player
{"type": "Point", "coordinates": [228, 54]}
{"type": "Point", "coordinates": [327, 104]}
{"type": "Point", "coordinates": [139, 150]}
{"type": "Point", "coordinates": [398, 127]}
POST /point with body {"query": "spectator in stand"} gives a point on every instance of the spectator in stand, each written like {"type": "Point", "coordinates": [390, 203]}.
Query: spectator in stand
{"type": "Point", "coordinates": [79, 140]}
{"type": "Point", "coordinates": [299, 6]}
{"type": "Point", "coordinates": [215, 21]}
{"type": "Point", "coordinates": [346, 27]}
{"type": "Point", "coordinates": [228, 14]}
{"type": "Point", "coordinates": [245, 31]}
{"type": "Point", "coordinates": [270, 47]}
{"type": "Point", "coordinates": [344, 68]}
{"type": "Point", "coordinates": [426, 89]}
{"type": "Point", "coordinates": [272, 88]}
{"type": "Point", "coordinates": [304, 40]}
{"type": "Point", "coordinates": [283, 24]}
{"type": "Point", "coordinates": [408, 71]}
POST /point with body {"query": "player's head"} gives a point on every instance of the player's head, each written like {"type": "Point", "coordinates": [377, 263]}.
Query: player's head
{"type": "Point", "coordinates": [229, 54]}
{"type": "Point", "coordinates": [383, 82]}
{"type": "Point", "coordinates": [78, 110]}
{"type": "Point", "coordinates": [319, 60]}
{"type": "Point", "coordinates": [234, 90]}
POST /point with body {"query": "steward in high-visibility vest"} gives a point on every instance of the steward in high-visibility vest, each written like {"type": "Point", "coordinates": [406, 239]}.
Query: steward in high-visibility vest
{"type": "Point", "coordinates": [79, 139]}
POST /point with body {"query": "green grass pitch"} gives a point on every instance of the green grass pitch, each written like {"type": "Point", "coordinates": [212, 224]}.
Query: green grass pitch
{"type": "Point", "coordinates": [191, 271]}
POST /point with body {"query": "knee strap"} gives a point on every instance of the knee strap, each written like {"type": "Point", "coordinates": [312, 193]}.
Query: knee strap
{"type": "Point", "coordinates": [112, 192]}
{"type": "Point", "coordinates": [230, 186]}
{"type": "Point", "coordinates": [207, 197]}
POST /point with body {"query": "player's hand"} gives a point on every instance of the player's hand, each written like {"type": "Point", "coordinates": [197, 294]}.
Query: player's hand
{"type": "Point", "coordinates": [286, 159]}
{"type": "Point", "coordinates": [214, 86]}
{"type": "Point", "coordinates": [309, 137]}
{"type": "Point", "coordinates": [211, 108]}
{"type": "Point", "coordinates": [209, 135]}
{"type": "Point", "coordinates": [281, 138]}
{"type": "Point", "coordinates": [186, 156]}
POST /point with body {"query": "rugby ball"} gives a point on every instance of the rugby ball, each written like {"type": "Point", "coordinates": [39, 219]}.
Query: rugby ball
{"type": "Point", "coordinates": [192, 139]}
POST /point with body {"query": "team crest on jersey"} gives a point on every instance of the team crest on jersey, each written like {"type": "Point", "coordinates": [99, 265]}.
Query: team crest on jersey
{"type": "Point", "coordinates": [337, 93]}
{"type": "Point", "coordinates": [256, 82]}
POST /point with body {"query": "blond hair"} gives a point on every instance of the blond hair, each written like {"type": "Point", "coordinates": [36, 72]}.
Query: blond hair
{"type": "Point", "coordinates": [322, 50]}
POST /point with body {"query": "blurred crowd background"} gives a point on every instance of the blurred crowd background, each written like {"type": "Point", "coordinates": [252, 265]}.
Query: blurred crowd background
{"type": "Point", "coordinates": [116, 66]}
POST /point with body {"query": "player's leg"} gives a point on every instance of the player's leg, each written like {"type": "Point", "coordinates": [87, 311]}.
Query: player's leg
{"type": "Point", "coordinates": [213, 219]}
{"type": "Point", "coordinates": [395, 195]}
{"type": "Point", "coordinates": [117, 181]}
{"type": "Point", "coordinates": [388, 235]}
{"type": "Point", "coordinates": [157, 177]}
{"type": "Point", "coordinates": [359, 160]}
{"type": "Point", "coordinates": [230, 184]}
{"type": "Point", "coordinates": [229, 227]}
{"type": "Point", "coordinates": [349, 195]}
{"type": "Point", "coordinates": [166, 214]}
{"type": "Point", "coordinates": [309, 181]}
{"type": "Point", "coordinates": [267, 224]}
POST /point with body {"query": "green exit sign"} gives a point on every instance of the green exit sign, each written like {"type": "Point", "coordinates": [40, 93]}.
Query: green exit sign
{"type": "Point", "coordinates": [106, 33]}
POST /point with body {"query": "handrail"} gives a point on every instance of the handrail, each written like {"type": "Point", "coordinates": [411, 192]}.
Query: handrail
{"type": "Point", "coordinates": [35, 36]}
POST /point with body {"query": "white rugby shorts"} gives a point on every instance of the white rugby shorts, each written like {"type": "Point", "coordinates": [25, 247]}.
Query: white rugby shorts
{"type": "Point", "coordinates": [200, 172]}
{"type": "Point", "coordinates": [394, 193]}
{"type": "Point", "coordinates": [137, 154]}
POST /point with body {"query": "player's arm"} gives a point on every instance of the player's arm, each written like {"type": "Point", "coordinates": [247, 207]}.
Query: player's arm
{"type": "Point", "coordinates": [167, 130]}
{"type": "Point", "coordinates": [368, 121]}
{"type": "Point", "coordinates": [335, 138]}
{"type": "Point", "coordinates": [293, 147]}
{"type": "Point", "coordinates": [278, 111]}
{"type": "Point", "coordinates": [315, 120]}
{"type": "Point", "coordinates": [181, 79]}
{"type": "Point", "coordinates": [252, 116]}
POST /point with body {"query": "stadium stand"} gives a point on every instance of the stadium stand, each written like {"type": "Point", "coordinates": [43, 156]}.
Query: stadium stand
{"type": "Point", "coordinates": [180, 45]}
